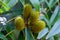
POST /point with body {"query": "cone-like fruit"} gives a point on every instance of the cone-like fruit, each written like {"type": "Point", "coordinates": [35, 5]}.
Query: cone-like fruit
{"type": "Point", "coordinates": [37, 26]}
{"type": "Point", "coordinates": [34, 15]}
{"type": "Point", "coordinates": [19, 23]}
{"type": "Point", "coordinates": [26, 10]}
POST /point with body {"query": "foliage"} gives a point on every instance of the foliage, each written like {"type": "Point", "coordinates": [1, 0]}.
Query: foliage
{"type": "Point", "coordinates": [49, 12]}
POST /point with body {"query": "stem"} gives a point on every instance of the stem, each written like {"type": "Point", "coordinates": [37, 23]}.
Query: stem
{"type": "Point", "coordinates": [9, 33]}
{"type": "Point", "coordinates": [10, 20]}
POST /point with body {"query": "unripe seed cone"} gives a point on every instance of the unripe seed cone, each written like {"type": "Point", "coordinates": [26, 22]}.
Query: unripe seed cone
{"type": "Point", "coordinates": [26, 10]}
{"type": "Point", "coordinates": [34, 15]}
{"type": "Point", "coordinates": [37, 26]}
{"type": "Point", "coordinates": [19, 23]}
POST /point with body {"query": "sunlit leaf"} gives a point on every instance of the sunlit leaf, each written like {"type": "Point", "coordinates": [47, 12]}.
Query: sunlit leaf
{"type": "Point", "coordinates": [4, 7]}
{"type": "Point", "coordinates": [55, 29]}
{"type": "Point", "coordinates": [54, 15]}
{"type": "Point", "coordinates": [42, 33]}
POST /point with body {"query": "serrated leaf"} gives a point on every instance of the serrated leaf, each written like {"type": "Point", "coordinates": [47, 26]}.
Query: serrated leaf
{"type": "Point", "coordinates": [3, 37]}
{"type": "Point", "coordinates": [54, 15]}
{"type": "Point", "coordinates": [28, 35]}
{"type": "Point", "coordinates": [36, 4]}
{"type": "Point", "coordinates": [42, 33]}
{"type": "Point", "coordinates": [54, 30]}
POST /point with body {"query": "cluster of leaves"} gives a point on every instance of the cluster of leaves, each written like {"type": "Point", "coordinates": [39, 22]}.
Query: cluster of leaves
{"type": "Point", "coordinates": [50, 10]}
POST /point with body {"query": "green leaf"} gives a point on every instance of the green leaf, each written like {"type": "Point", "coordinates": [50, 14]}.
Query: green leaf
{"type": "Point", "coordinates": [0, 29]}
{"type": "Point", "coordinates": [36, 4]}
{"type": "Point", "coordinates": [28, 35]}
{"type": "Point", "coordinates": [42, 33]}
{"type": "Point", "coordinates": [4, 7]}
{"type": "Point", "coordinates": [11, 35]}
{"type": "Point", "coordinates": [51, 38]}
{"type": "Point", "coordinates": [51, 3]}
{"type": "Point", "coordinates": [21, 36]}
{"type": "Point", "coordinates": [54, 15]}
{"type": "Point", "coordinates": [22, 1]}
{"type": "Point", "coordinates": [1, 11]}
{"type": "Point", "coordinates": [41, 1]}
{"type": "Point", "coordinates": [57, 37]}
{"type": "Point", "coordinates": [12, 3]}
{"type": "Point", "coordinates": [54, 30]}
{"type": "Point", "coordinates": [6, 1]}
{"type": "Point", "coordinates": [3, 37]}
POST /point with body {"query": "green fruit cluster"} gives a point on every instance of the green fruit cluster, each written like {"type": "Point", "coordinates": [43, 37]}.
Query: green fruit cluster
{"type": "Point", "coordinates": [31, 16]}
{"type": "Point", "coordinates": [36, 25]}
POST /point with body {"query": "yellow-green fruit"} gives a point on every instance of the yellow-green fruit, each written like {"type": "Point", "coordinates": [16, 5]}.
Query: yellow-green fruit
{"type": "Point", "coordinates": [37, 26]}
{"type": "Point", "coordinates": [26, 10]}
{"type": "Point", "coordinates": [34, 15]}
{"type": "Point", "coordinates": [19, 23]}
